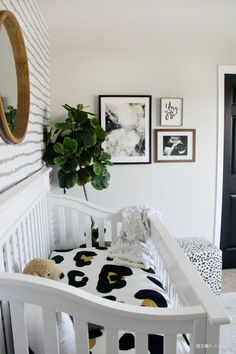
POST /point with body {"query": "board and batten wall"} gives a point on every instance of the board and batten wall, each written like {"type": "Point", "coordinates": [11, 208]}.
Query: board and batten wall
{"type": "Point", "coordinates": [19, 161]}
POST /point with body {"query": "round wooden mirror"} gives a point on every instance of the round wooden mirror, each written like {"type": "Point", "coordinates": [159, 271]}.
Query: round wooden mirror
{"type": "Point", "coordinates": [14, 131]}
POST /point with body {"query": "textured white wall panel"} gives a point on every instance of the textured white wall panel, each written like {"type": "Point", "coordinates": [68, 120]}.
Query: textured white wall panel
{"type": "Point", "coordinates": [19, 161]}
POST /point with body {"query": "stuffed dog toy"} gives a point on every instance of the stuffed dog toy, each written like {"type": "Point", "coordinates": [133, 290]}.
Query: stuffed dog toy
{"type": "Point", "coordinates": [45, 268]}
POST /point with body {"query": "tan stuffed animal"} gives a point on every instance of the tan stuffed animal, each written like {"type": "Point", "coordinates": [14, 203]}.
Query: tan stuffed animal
{"type": "Point", "coordinates": [45, 268]}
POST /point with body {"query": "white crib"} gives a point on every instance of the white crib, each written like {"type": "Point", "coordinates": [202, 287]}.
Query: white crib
{"type": "Point", "coordinates": [34, 221]}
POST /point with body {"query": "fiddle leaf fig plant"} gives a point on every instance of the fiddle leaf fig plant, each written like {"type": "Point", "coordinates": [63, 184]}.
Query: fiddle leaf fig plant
{"type": "Point", "coordinates": [75, 146]}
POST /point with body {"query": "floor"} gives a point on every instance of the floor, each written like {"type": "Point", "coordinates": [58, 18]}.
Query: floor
{"type": "Point", "coordinates": [229, 281]}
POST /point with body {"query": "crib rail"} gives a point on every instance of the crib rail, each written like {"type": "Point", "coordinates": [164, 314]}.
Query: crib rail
{"type": "Point", "coordinates": [27, 231]}
{"type": "Point", "coordinates": [184, 284]}
{"type": "Point", "coordinates": [73, 219]}
{"type": "Point", "coordinates": [87, 308]}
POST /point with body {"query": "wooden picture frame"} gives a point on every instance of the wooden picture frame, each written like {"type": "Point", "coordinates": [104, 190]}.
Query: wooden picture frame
{"type": "Point", "coordinates": [17, 133]}
{"type": "Point", "coordinates": [127, 121]}
{"type": "Point", "coordinates": [171, 111]}
{"type": "Point", "coordinates": [174, 145]}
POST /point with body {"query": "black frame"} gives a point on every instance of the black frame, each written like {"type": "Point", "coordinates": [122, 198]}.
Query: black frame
{"type": "Point", "coordinates": [148, 125]}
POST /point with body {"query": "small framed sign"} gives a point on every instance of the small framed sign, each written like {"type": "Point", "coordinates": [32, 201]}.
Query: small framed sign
{"type": "Point", "coordinates": [171, 111]}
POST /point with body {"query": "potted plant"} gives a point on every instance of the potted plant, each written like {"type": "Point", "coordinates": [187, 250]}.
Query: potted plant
{"type": "Point", "coordinates": [75, 146]}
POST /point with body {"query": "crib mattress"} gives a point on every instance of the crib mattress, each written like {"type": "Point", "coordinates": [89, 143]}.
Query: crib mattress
{"type": "Point", "coordinates": [94, 270]}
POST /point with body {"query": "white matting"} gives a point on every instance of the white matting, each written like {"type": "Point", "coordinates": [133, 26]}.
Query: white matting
{"type": "Point", "coordinates": [228, 332]}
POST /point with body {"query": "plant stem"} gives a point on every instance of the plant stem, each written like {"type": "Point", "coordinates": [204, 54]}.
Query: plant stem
{"type": "Point", "coordinates": [85, 192]}
{"type": "Point", "coordinates": [86, 197]}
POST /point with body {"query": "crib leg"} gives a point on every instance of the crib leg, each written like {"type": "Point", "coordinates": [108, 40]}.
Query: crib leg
{"type": "Point", "coordinates": [212, 340]}
{"type": "Point", "coordinates": [198, 337]}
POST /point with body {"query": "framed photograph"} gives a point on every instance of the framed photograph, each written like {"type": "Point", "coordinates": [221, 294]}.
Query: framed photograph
{"type": "Point", "coordinates": [171, 111]}
{"type": "Point", "coordinates": [175, 145]}
{"type": "Point", "coordinates": [127, 121]}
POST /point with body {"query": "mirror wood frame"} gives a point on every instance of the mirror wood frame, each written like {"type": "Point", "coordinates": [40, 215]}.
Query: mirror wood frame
{"type": "Point", "coordinates": [9, 21]}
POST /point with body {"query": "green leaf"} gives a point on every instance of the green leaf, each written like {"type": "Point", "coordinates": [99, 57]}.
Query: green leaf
{"type": "Point", "coordinates": [70, 145]}
{"type": "Point", "coordinates": [86, 139]}
{"type": "Point", "coordinates": [101, 133]}
{"type": "Point", "coordinates": [105, 156]}
{"type": "Point", "coordinates": [84, 176]}
{"type": "Point", "coordinates": [49, 155]}
{"type": "Point", "coordinates": [80, 107]}
{"type": "Point", "coordinates": [99, 183]}
{"type": "Point", "coordinates": [95, 151]}
{"type": "Point", "coordinates": [62, 126]}
{"type": "Point", "coordinates": [47, 136]}
{"type": "Point", "coordinates": [67, 180]}
{"type": "Point", "coordinates": [58, 147]}
{"type": "Point", "coordinates": [67, 107]}
{"type": "Point", "coordinates": [85, 158]}
{"type": "Point", "coordinates": [98, 169]}
{"type": "Point", "coordinates": [60, 160]}
{"type": "Point", "coordinates": [94, 122]}
{"type": "Point", "coordinates": [105, 173]}
{"type": "Point", "coordinates": [70, 165]}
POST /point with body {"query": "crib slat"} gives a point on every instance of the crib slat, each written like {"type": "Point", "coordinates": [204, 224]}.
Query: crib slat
{"type": "Point", "coordinates": [28, 236]}
{"type": "Point", "coordinates": [44, 228]}
{"type": "Point", "coordinates": [35, 233]}
{"type": "Point", "coordinates": [7, 253]}
{"type": "Point", "coordinates": [50, 331]}
{"type": "Point", "coordinates": [88, 232]}
{"type": "Point", "coordinates": [25, 245]}
{"type": "Point", "coordinates": [101, 233]}
{"type": "Point", "coordinates": [16, 256]}
{"type": "Point", "coordinates": [113, 230]}
{"type": "Point", "coordinates": [62, 226]}
{"type": "Point", "coordinates": [7, 324]}
{"type": "Point", "coordinates": [32, 235]}
{"type": "Point", "coordinates": [75, 226]}
{"type": "Point", "coordinates": [2, 258]}
{"type": "Point", "coordinates": [112, 343]}
{"type": "Point", "coordinates": [46, 223]}
{"type": "Point", "coordinates": [39, 231]}
{"type": "Point", "coordinates": [19, 328]}
{"type": "Point", "coordinates": [20, 248]}
{"type": "Point", "coordinates": [170, 344]}
{"type": "Point", "coordinates": [81, 336]}
{"type": "Point", "coordinates": [141, 343]}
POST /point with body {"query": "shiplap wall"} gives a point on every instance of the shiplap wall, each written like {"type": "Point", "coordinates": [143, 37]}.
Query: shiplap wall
{"type": "Point", "coordinates": [19, 161]}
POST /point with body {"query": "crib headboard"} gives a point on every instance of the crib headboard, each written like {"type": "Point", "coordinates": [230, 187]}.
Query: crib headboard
{"type": "Point", "coordinates": [26, 232]}
{"type": "Point", "coordinates": [25, 219]}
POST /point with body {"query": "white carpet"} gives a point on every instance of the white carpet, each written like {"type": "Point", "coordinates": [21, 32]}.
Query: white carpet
{"type": "Point", "coordinates": [228, 332]}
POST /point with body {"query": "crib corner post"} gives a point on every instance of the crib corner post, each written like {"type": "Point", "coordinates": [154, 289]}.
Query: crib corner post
{"type": "Point", "coordinates": [198, 337]}
{"type": "Point", "coordinates": [212, 338]}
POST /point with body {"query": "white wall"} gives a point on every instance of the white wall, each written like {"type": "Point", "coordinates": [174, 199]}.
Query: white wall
{"type": "Point", "coordinates": [19, 161]}
{"type": "Point", "coordinates": [162, 48]}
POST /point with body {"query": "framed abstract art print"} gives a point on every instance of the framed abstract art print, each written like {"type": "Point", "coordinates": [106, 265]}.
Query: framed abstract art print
{"type": "Point", "coordinates": [127, 121]}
